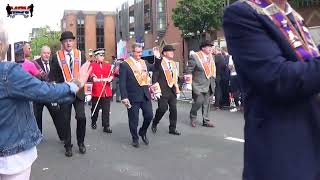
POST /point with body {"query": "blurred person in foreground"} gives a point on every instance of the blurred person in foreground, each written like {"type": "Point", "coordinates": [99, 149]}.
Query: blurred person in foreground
{"type": "Point", "coordinates": [278, 66]}
{"type": "Point", "coordinates": [19, 133]}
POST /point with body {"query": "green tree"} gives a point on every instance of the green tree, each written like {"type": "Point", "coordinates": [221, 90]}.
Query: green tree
{"type": "Point", "coordinates": [45, 36]}
{"type": "Point", "coordinates": [194, 17]}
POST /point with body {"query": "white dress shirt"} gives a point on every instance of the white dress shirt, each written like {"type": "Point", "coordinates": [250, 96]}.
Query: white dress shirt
{"type": "Point", "coordinates": [44, 65]}
{"type": "Point", "coordinates": [137, 63]}
{"type": "Point", "coordinates": [66, 55]}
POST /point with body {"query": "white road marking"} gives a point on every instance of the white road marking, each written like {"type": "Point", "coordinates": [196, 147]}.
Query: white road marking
{"type": "Point", "coordinates": [234, 139]}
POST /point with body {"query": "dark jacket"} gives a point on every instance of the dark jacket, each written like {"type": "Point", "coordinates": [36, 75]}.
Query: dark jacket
{"type": "Point", "coordinates": [56, 74]}
{"type": "Point", "coordinates": [129, 87]}
{"type": "Point", "coordinates": [44, 76]}
{"type": "Point", "coordinates": [219, 61]}
{"type": "Point", "coordinates": [282, 117]}
{"type": "Point", "coordinates": [159, 76]}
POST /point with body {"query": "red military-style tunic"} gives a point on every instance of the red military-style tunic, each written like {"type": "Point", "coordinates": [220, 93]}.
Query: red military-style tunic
{"type": "Point", "coordinates": [101, 71]}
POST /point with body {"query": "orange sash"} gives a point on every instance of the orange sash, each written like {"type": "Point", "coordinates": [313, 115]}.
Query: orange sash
{"type": "Point", "coordinates": [65, 67]}
{"type": "Point", "coordinates": [209, 66]}
{"type": "Point", "coordinates": [142, 75]}
{"type": "Point", "coordinates": [171, 75]}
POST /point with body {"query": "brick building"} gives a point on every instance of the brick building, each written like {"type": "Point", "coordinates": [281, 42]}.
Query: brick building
{"type": "Point", "coordinates": [149, 22]}
{"type": "Point", "coordinates": [310, 11]}
{"type": "Point", "coordinates": [93, 29]}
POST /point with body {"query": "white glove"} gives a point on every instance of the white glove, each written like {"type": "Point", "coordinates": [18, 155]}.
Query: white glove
{"type": "Point", "coordinates": [126, 102]}
{"type": "Point", "coordinates": [178, 96]}
{"type": "Point", "coordinates": [158, 95]}
{"type": "Point", "coordinates": [189, 87]}
{"type": "Point", "coordinates": [109, 79]}
{"type": "Point", "coordinates": [87, 98]}
{"type": "Point", "coordinates": [96, 79]}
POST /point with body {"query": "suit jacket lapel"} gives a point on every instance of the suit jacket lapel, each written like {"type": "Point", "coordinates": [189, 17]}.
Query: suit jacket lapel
{"type": "Point", "coordinates": [40, 64]}
{"type": "Point", "coordinates": [279, 38]}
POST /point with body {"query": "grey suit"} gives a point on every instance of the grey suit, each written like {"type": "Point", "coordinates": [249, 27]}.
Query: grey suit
{"type": "Point", "coordinates": [202, 88]}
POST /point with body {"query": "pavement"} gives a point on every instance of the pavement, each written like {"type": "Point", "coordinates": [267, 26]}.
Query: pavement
{"type": "Point", "coordinates": [198, 154]}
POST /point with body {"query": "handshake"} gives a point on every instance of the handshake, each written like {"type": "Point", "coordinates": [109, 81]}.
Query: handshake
{"type": "Point", "coordinates": [109, 79]}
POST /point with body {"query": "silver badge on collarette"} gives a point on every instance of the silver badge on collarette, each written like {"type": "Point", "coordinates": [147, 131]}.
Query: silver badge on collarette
{"type": "Point", "coordinates": [284, 23]}
{"type": "Point", "coordinates": [294, 39]}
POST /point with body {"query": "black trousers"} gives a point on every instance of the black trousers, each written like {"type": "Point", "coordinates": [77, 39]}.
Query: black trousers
{"type": "Point", "coordinates": [133, 116]}
{"type": "Point", "coordinates": [225, 89]}
{"type": "Point", "coordinates": [54, 113]}
{"type": "Point", "coordinates": [104, 104]}
{"type": "Point", "coordinates": [116, 88]}
{"type": "Point", "coordinates": [163, 103]}
{"type": "Point", "coordinates": [218, 93]}
{"type": "Point", "coordinates": [235, 89]}
{"type": "Point", "coordinates": [81, 121]}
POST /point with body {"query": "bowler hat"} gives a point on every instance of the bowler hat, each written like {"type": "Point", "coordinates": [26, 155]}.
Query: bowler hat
{"type": "Point", "coordinates": [67, 35]}
{"type": "Point", "coordinates": [168, 48]}
{"type": "Point", "coordinates": [205, 43]}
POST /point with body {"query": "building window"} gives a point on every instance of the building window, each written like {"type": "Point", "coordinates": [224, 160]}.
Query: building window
{"type": "Point", "coordinates": [64, 25]}
{"type": "Point", "coordinates": [80, 31]}
{"type": "Point", "coordinates": [161, 15]}
{"type": "Point", "coordinates": [100, 30]}
{"type": "Point", "coordinates": [131, 16]}
{"type": "Point", "coordinates": [147, 11]}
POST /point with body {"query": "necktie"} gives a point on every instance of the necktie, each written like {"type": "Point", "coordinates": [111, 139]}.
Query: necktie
{"type": "Point", "coordinates": [170, 68]}
{"type": "Point", "coordinates": [71, 63]}
{"type": "Point", "coordinates": [46, 68]}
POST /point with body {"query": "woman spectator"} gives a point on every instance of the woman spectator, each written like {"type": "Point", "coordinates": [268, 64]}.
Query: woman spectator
{"type": "Point", "coordinates": [19, 133]}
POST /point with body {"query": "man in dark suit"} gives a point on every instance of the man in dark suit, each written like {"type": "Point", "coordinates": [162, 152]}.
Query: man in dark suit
{"type": "Point", "coordinates": [135, 95]}
{"type": "Point", "coordinates": [219, 62]}
{"type": "Point", "coordinates": [202, 67]}
{"type": "Point", "coordinates": [278, 66]}
{"type": "Point", "coordinates": [115, 83]}
{"type": "Point", "coordinates": [65, 67]}
{"type": "Point", "coordinates": [166, 74]}
{"type": "Point", "coordinates": [44, 64]}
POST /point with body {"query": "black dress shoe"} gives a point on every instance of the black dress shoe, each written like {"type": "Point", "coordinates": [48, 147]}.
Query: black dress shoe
{"type": "Point", "coordinates": [68, 152]}
{"type": "Point", "coordinates": [174, 132]}
{"type": "Point", "coordinates": [107, 130]}
{"type": "Point", "coordinates": [154, 129]}
{"type": "Point", "coordinates": [207, 124]}
{"type": "Point", "coordinates": [82, 148]}
{"type": "Point", "coordinates": [94, 125]}
{"type": "Point", "coordinates": [145, 139]}
{"type": "Point", "coordinates": [135, 144]}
